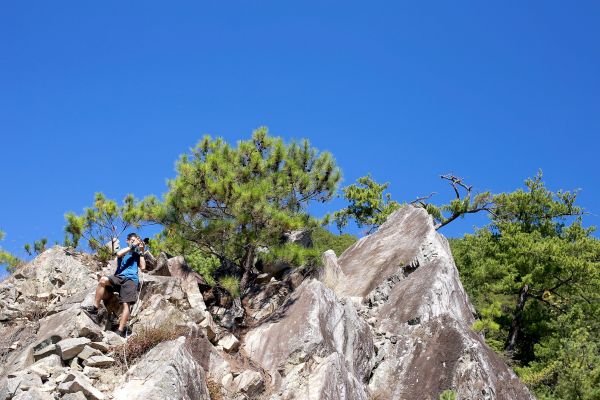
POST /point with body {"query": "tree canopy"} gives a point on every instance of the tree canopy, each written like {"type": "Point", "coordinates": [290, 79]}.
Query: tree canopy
{"type": "Point", "coordinates": [533, 275]}
{"type": "Point", "coordinates": [231, 201]}
{"type": "Point", "coordinates": [102, 224]}
{"type": "Point", "coordinates": [368, 205]}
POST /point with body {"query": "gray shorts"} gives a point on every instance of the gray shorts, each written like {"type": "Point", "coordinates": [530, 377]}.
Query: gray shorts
{"type": "Point", "coordinates": [126, 288]}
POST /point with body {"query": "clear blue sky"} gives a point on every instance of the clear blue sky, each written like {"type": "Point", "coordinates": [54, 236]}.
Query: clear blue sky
{"type": "Point", "coordinates": [104, 96]}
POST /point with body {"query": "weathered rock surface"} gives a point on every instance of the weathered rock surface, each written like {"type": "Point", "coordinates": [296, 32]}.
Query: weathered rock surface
{"type": "Point", "coordinates": [69, 348]}
{"type": "Point", "coordinates": [312, 325]}
{"type": "Point", "coordinates": [78, 382]}
{"type": "Point", "coordinates": [168, 371]}
{"type": "Point", "coordinates": [420, 315]}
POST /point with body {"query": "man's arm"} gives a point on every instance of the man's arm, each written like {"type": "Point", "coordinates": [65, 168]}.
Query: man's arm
{"type": "Point", "coordinates": [142, 262]}
{"type": "Point", "coordinates": [123, 251]}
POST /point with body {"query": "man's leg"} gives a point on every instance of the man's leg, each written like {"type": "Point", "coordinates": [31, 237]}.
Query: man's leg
{"type": "Point", "coordinates": [101, 294]}
{"type": "Point", "coordinates": [101, 290]}
{"type": "Point", "coordinates": [124, 317]}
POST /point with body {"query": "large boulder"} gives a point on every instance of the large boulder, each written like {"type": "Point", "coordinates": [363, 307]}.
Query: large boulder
{"type": "Point", "coordinates": [405, 283]}
{"type": "Point", "coordinates": [169, 371]}
{"type": "Point", "coordinates": [312, 325]}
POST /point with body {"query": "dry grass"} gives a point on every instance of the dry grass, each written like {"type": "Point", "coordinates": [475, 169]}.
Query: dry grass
{"type": "Point", "coordinates": [142, 341]}
{"type": "Point", "coordinates": [214, 390]}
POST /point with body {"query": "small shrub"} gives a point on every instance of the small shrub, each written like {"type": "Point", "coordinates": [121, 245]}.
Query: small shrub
{"type": "Point", "coordinates": [142, 341]}
{"type": "Point", "coordinates": [205, 265]}
{"type": "Point", "coordinates": [231, 284]}
{"type": "Point", "coordinates": [448, 395]}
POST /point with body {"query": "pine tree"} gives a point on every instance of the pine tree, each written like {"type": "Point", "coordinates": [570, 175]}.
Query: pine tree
{"type": "Point", "coordinates": [368, 205]}
{"type": "Point", "coordinates": [534, 276]}
{"type": "Point", "coordinates": [231, 201]}
{"type": "Point", "coordinates": [102, 224]}
{"type": "Point", "coordinates": [7, 259]}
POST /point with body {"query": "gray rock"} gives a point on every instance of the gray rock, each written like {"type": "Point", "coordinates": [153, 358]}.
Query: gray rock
{"type": "Point", "coordinates": [168, 371]}
{"type": "Point", "coordinates": [88, 352]}
{"type": "Point", "coordinates": [77, 382]}
{"type": "Point", "coordinates": [33, 394]}
{"type": "Point", "coordinates": [88, 328]}
{"type": "Point", "coordinates": [46, 366]}
{"type": "Point", "coordinates": [103, 347]}
{"type": "Point", "coordinates": [329, 379]}
{"type": "Point", "coordinates": [23, 381]}
{"type": "Point", "coordinates": [92, 372]}
{"type": "Point", "coordinates": [45, 352]}
{"type": "Point", "coordinates": [69, 348]}
{"type": "Point", "coordinates": [331, 273]}
{"type": "Point", "coordinates": [74, 396]}
{"type": "Point", "coordinates": [313, 322]}
{"type": "Point", "coordinates": [74, 364]}
{"type": "Point", "coordinates": [404, 280]}
{"type": "Point", "coordinates": [99, 361]}
{"type": "Point", "coordinates": [229, 343]}
{"type": "Point", "coordinates": [212, 330]}
{"type": "Point", "coordinates": [112, 339]}
{"type": "Point", "coordinates": [249, 382]}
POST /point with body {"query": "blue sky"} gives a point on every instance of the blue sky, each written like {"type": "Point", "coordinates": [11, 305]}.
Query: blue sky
{"type": "Point", "coordinates": [104, 96]}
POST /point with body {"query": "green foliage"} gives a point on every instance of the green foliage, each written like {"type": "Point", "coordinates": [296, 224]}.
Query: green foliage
{"type": "Point", "coordinates": [231, 284]}
{"type": "Point", "coordinates": [291, 253]}
{"type": "Point", "coordinates": [39, 246]}
{"type": "Point", "coordinates": [229, 201]}
{"type": "Point", "coordinates": [448, 395]}
{"type": "Point", "coordinates": [536, 247]}
{"type": "Point", "coordinates": [7, 259]}
{"type": "Point", "coordinates": [102, 224]}
{"type": "Point", "coordinates": [324, 240]}
{"type": "Point", "coordinates": [204, 263]}
{"type": "Point", "coordinates": [369, 207]}
{"type": "Point", "coordinates": [464, 203]}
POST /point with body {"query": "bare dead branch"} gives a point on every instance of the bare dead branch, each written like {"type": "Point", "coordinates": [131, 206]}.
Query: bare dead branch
{"type": "Point", "coordinates": [420, 200]}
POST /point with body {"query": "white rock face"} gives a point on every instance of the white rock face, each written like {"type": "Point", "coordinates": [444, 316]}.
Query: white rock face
{"type": "Point", "coordinates": [167, 372]}
{"type": "Point", "coordinates": [313, 325]}
{"type": "Point", "coordinates": [229, 343]}
{"type": "Point", "coordinates": [249, 382]}
{"type": "Point", "coordinates": [77, 382]}
{"type": "Point", "coordinates": [69, 348]}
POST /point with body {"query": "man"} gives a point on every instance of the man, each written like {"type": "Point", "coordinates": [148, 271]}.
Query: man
{"type": "Point", "coordinates": [125, 281]}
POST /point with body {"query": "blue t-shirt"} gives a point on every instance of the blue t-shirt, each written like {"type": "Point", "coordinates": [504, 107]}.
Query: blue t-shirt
{"type": "Point", "coordinates": [127, 266]}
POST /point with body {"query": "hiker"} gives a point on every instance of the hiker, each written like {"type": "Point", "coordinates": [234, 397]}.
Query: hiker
{"type": "Point", "coordinates": [125, 281]}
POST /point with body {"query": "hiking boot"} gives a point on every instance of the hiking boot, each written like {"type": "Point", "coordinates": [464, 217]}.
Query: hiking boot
{"type": "Point", "coordinates": [92, 312]}
{"type": "Point", "coordinates": [124, 333]}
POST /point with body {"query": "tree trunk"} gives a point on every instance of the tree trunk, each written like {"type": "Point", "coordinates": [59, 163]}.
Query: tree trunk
{"type": "Point", "coordinates": [247, 265]}
{"type": "Point", "coordinates": [515, 326]}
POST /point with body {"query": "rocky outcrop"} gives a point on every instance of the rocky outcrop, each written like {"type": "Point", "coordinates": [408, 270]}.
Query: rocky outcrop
{"type": "Point", "coordinates": [388, 319]}
{"type": "Point", "coordinates": [49, 346]}
{"type": "Point", "coordinates": [168, 371]}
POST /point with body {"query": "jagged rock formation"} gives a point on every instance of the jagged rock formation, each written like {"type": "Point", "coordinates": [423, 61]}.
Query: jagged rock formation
{"type": "Point", "coordinates": [389, 319]}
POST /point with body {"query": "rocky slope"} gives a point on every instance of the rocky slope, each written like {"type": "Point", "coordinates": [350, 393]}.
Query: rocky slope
{"type": "Point", "coordinates": [389, 319]}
